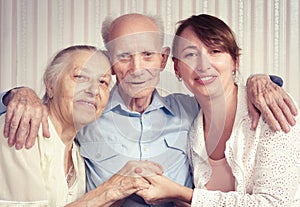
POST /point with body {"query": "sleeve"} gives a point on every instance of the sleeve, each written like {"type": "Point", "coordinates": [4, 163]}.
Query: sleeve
{"type": "Point", "coordinates": [275, 178]}
{"type": "Point", "coordinates": [2, 106]}
{"type": "Point", "coordinates": [21, 178]}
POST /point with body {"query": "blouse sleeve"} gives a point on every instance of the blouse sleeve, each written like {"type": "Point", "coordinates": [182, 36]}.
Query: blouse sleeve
{"type": "Point", "coordinates": [21, 178]}
{"type": "Point", "coordinates": [276, 174]}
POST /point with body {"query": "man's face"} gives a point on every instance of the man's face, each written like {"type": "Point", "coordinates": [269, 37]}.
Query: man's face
{"type": "Point", "coordinates": [137, 60]}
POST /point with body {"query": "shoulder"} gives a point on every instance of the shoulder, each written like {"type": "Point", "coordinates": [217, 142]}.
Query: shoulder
{"type": "Point", "coordinates": [184, 102]}
{"type": "Point", "coordinates": [279, 138]}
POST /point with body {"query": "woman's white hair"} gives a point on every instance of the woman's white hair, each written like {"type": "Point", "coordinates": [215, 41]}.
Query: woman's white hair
{"type": "Point", "coordinates": [57, 65]}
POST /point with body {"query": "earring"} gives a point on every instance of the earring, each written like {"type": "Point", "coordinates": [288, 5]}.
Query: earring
{"type": "Point", "coordinates": [233, 74]}
{"type": "Point", "coordinates": [50, 96]}
{"type": "Point", "coordinates": [179, 78]}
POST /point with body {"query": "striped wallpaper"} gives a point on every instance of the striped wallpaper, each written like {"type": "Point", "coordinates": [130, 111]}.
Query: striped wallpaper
{"type": "Point", "coordinates": [31, 31]}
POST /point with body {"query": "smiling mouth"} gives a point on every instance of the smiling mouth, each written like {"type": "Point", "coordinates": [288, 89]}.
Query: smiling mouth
{"type": "Point", "coordinates": [88, 103]}
{"type": "Point", "coordinates": [137, 83]}
{"type": "Point", "coordinates": [207, 78]}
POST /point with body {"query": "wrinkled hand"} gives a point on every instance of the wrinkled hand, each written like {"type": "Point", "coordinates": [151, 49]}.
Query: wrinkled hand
{"type": "Point", "coordinates": [25, 112]}
{"type": "Point", "coordinates": [126, 182]}
{"type": "Point", "coordinates": [137, 168]}
{"type": "Point", "coordinates": [130, 179]}
{"type": "Point", "coordinates": [275, 105]}
{"type": "Point", "coordinates": [163, 190]}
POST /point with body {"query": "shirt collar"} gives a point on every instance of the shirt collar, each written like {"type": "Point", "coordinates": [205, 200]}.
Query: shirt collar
{"type": "Point", "coordinates": [116, 102]}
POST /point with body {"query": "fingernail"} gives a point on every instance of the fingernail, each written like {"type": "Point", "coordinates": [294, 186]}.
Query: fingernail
{"type": "Point", "coordinates": [18, 146]}
{"type": "Point", "coordinates": [293, 122]}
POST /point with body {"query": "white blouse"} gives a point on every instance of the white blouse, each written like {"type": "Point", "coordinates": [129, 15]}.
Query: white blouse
{"type": "Point", "coordinates": [36, 177]}
{"type": "Point", "coordinates": [265, 164]}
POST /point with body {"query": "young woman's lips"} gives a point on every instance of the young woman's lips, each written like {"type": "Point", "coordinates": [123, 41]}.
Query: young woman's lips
{"type": "Point", "coordinates": [205, 79]}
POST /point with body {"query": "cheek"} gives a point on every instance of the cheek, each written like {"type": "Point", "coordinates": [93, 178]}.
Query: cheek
{"type": "Point", "coordinates": [185, 70]}
{"type": "Point", "coordinates": [121, 70]}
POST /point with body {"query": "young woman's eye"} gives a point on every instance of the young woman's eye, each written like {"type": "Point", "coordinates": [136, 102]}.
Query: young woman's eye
{"type": "Point", "coordinates": [191, 54]}
{"type": "Point", "coordinates": [215, 51]}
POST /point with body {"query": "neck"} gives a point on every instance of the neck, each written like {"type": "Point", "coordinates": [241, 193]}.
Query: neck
{"type": "Point", "coordinates": [66, 131]}
{"type": "Point", "coordinates": [218, 120]}
{"type": "Point", "coordinates": [137, 104]}
{"type": "Point", "coordinates": [64, 128]}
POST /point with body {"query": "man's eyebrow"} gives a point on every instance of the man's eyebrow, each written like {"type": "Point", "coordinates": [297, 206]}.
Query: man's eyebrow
{"type": "Point", "coordinates": [123, 53]}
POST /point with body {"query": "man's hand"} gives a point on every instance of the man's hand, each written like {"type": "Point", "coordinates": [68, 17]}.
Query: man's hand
{"type": "Point", "coordinates": [275, 105]}
{"type": "Point", "coordinates": [25, 112]}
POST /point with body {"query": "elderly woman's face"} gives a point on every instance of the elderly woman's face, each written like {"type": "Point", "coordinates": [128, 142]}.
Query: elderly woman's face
{"type": "Point", "coordinates": [83, 90]}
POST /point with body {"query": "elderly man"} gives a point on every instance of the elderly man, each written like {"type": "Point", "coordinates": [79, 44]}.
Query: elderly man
{"type": "Point", "coordinates": [138, 123]}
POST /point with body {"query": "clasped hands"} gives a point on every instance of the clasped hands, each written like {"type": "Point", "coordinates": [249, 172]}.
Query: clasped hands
{"type": "Point", "coordinates": [143, 178]}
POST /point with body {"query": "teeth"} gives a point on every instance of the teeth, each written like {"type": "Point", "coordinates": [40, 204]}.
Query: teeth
{"type": "Point", "coordinates": [88, 103]}
{"type": "Point", "coordinates": [206, 78]}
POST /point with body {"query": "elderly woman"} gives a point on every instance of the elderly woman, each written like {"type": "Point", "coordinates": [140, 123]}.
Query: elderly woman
{"type": "Point", "coordinates": [232, 165]}
{"type": "Point", "coordinates": [52, 172]}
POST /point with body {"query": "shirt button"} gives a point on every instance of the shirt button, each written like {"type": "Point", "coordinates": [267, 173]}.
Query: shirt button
{"type": "Point", "coordinates": [98, 155]}
{"type": "Point", "coordinates": [145, 149]}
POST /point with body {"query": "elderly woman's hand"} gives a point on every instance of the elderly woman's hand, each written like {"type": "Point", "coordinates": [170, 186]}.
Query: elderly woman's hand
{"type": "Point", "coordinates": [25, 113]}
{"type": "Point", "coordinates": [126, 182]}
{"type": "Point", "coordinates": [275, 105]}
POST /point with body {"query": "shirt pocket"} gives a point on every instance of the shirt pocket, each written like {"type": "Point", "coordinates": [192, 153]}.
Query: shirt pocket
{"type": "Point", "coordinates": [177, 141]}
{"type": "Point", "coordinates": [97, 152]}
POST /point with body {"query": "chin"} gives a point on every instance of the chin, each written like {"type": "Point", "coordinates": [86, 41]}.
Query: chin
{"type": "Point", "coordinates": [141, 93]}
{"type": "Point", "coordinates": [84, 117]}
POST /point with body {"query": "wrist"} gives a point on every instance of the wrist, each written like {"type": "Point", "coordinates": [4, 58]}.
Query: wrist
{"type": "Point", "coordinates": [185, 194]}
{"type": "Point", "coordinates": [8, 96]}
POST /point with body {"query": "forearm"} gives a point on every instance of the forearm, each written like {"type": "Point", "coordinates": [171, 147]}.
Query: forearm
{"type": "Point", "coordinates": [184, 194]}
{"type": "Point", "coordinates": [96, 197]}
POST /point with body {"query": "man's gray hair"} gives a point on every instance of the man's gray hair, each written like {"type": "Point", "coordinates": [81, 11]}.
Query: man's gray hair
{"type": "Point", "coordinates": [109, 20]}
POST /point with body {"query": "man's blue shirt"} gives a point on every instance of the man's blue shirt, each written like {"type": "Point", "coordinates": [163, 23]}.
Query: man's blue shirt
{"type": "Point", "coordinates": [2, 106]}
{"type": "Point", "coordinates": [159, 134]}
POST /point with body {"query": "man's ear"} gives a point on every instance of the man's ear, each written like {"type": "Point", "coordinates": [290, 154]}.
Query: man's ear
{"type": "Point", "coordinates": [175, 62]}
{"type": "Point", "coordinates": [165, 55]}
{"type": "Point", "coordinates": [113, 71]}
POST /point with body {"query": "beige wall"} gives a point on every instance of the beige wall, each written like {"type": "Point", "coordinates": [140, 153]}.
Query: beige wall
{"type": "Point", "coordinates": [32, 30]}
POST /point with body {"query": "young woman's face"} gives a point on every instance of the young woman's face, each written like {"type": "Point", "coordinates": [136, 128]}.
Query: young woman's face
{"type": "Point", "coordinates": [205, 71]}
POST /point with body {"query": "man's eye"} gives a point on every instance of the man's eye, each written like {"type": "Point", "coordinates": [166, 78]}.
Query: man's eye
{"type": "Point", "coordinates": [124, 56]}
{"type": "Point", "coordinates": [147, 54]}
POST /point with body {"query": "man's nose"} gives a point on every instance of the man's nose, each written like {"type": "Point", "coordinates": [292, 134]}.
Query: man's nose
{"type": "Point", "coordinates": [136, 62]}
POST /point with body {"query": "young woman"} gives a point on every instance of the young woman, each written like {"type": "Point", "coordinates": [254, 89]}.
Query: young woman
{"type": "Point", "coordinates": [232, 164]}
